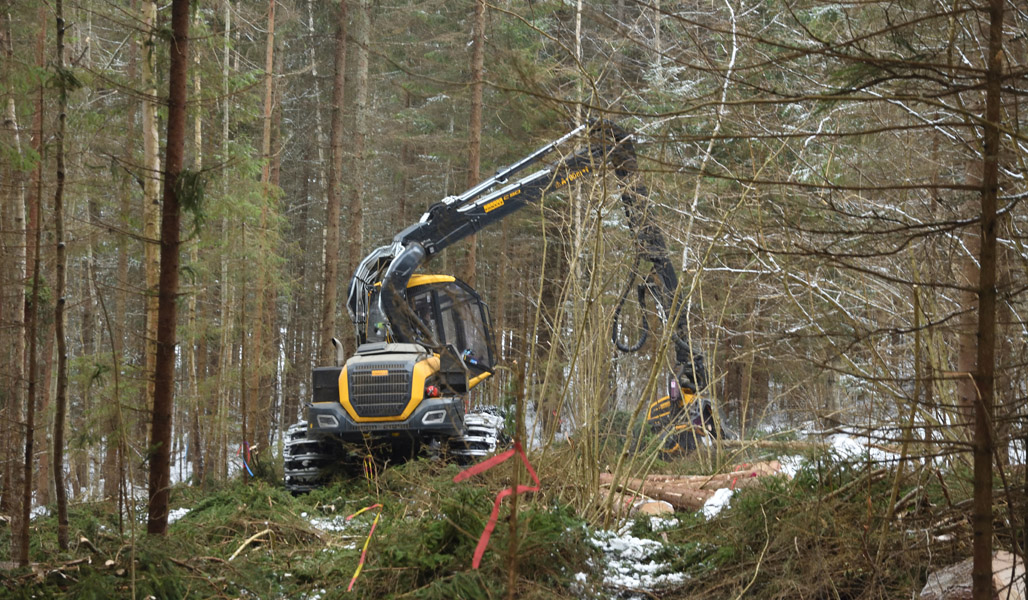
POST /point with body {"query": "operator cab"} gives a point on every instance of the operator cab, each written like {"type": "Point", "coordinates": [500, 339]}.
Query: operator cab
{"type": "Point", "coordinates": [453, 314]}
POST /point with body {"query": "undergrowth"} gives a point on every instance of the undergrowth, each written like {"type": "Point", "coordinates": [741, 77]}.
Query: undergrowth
{"type": "Point", "coordinates": [822, 534]}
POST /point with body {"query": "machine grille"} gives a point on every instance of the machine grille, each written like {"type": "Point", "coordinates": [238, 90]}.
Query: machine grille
{"type": "Point", "coordinates": [379, 389]}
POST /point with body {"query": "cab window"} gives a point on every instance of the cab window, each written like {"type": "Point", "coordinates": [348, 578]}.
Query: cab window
{"type": "Point", "coordinates": [457, 316]}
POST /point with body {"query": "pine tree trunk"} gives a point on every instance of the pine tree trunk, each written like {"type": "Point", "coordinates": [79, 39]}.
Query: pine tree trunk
{"type": "Point", "coordinates": [326, 352]}
{"type": "Point", "coordinates": [469, 268]}
{"type": "Point", "coordinates": [355, 231]}
{"type": "Point", "coordinates": [261, 332]}
{"type": "Point", "coordinates": [164, 375]}
{"type": "Point", "coordinates": [273, 346]}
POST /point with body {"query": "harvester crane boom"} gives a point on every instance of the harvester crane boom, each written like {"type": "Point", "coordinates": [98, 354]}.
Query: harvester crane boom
{"type": "Point", "coordinates": [457, 217]}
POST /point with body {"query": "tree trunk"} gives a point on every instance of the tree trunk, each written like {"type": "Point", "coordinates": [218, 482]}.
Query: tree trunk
{"type": "Point", "coordinates": [261, 332]}
{"type": "Point", "coordinates": [359, 172]}
{"type": "Point", "coordinates": [469, 268]}
{"type": "Point", "coordinates": [20, 522]}
{"type": "Point", "coordinates": [984, 444]}
{"type": "Point", "coordinates": [12, 270]}
{"type": "Point", "coordinates": [271, 349]}
{"type": "Point", "coordinates": [61, 403]}
{"type": "Point", "coordinates": [164, 375]}
{"type": "Point", "coordinates": [114, 432]}
{"type": "Point", "coordinates": [151, 186]}
{"type": "Point", "coordinates": [326, 353]}
{"type": "Point", "coordinates": [44, 481]}
{"type": "Point", "coordinates": [31, 314]}
{"type": "Point", "coordinates": [225, 307]}
{"type": "Point", "coordinates": [194, 446]}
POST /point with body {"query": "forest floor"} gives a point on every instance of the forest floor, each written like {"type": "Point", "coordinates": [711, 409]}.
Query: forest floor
{"type": "Point", "coordinates": [825, 532]}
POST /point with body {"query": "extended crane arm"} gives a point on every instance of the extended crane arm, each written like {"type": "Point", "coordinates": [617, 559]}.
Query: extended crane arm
{"type": "Point", "coordinates": [458, 217]}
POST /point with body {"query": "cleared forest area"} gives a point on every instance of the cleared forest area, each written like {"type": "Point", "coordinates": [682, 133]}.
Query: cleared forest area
{"type": "Point", "coordinates": [837, 189]}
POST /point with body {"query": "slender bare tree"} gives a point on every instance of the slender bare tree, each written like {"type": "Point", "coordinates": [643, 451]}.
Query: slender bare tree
{"type": "Point", "coordinates": [985, 374]}
{"type": "Point", "coordinates": [61, 404]}
{"type": "Point", "coordinates": [469, 267]}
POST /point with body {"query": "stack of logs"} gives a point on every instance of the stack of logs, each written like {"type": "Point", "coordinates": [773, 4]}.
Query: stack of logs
{"type": "Point", "coordinates": [688, 492]}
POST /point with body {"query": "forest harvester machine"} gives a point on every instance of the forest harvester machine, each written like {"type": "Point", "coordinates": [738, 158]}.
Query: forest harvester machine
{"type": "Point", "coordinates": [424, 341]}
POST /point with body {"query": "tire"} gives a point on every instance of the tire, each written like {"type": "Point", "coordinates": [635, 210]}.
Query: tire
{"type": "Point", "coordinates": [305, 459]}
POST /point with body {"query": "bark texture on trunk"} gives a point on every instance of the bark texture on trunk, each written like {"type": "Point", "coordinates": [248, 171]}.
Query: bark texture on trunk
{"type": "Point", "coordinates": [12, 308]}
{"type": "Point", "coordinates": [151, 185]}
{"type": "Point", "coordinates": [164, 376]}
{"type": "Point", "coordinates": [20, 523]}
{"type": "Point", "coordinates": [984, 444]}
{"type": "Point", "coordinates": [326, 353]}
{"type": "Point", "coordinates": [61, 402]}
{"type": "Point", "coordinates": [359, 171]}
{"type": "Point", "coordinates": [469, 268]}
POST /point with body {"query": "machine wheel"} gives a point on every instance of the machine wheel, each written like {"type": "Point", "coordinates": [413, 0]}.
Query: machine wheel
{"type": "Point", "coordinates": [305, 459]}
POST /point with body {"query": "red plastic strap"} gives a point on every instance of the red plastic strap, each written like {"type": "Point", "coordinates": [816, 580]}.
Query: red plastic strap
{"type": "Point", "coordinates": [734, 479]}
{"type": "Point", "coordinates": [483, 466]}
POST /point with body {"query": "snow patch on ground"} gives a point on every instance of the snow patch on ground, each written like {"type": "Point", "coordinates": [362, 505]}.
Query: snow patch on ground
{"type": "Point", "coordinates": [628, 562]}
{"type": "Point", "coordinates": [335, 523]}
{"type": "Point", "coordinates": [716, 503]}
{"type": "Point", "coordinates": [177, 514]}
{"type": "Point", "coordinates": [662, 524]}
{"type": "Point", "coordinates": [791, 465]}
{"type": "Point", "coordinates": [846, 447]}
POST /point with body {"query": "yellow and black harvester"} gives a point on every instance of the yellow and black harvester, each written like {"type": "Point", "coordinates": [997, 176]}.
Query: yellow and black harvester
{"type": "Point", "coordinates": [424, 341]}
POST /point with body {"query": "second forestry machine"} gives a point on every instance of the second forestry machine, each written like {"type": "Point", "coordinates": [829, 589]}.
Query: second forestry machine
{"type": "Point", "coordinates": [424, 341]}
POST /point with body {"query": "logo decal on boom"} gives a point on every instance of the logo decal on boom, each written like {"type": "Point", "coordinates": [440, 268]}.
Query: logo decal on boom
{"type": "Point", "coordinates": [499, 201]}
{"type": "Point", "coordinates": [570, 177]}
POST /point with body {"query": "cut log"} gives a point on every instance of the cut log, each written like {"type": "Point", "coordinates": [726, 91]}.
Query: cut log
{"type": "Point", "coordinates": [691, 492]}
{"type": "Point", "coordinates": [682, 497]}
{"type": "Point", "coordinates": [954, 582]}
